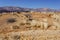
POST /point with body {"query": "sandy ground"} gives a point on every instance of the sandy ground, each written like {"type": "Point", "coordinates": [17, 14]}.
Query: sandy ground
{"type": "Point", "coordinates": [30, 26]}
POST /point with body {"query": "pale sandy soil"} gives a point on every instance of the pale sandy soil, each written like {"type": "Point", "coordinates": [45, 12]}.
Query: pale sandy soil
{"type": "Point", "coordinates": [30, 26]}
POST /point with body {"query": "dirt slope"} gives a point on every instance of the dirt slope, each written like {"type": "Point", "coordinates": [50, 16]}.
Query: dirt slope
{"type": "Point", "coordinates": [30, 26]}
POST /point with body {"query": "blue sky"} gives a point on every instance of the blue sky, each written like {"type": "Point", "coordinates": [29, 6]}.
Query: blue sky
{"type": "Point", "coordinates": [32, 3]}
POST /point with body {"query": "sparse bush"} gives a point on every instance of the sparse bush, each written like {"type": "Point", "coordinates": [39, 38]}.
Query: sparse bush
{"type": "Point", "coordinates": [28, 23]}
{"type": "Point", "coordinates": [18, 12]}
{"type": "Point", "coordinates": [30, 19]}
{"type": "Point", "coordinates": [22, 23]}
{"type": "Point", "coordinates": [15, 27]}
{"type": "Point", "coordinates": [5, 38]}
{"type": "Point", "coordinates": [27, 15]}
{"type": "Point", "coordinates": [11, 20]}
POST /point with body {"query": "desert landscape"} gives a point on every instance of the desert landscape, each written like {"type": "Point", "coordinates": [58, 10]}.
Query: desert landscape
{"type": "Point", "coordinates": [29, 19]}
{"type": "Point", "coordinates": [29, 25]}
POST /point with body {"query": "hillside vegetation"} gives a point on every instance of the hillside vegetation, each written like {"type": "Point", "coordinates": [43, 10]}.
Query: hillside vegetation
{"type": "Point", "coordinates": [31, 25]}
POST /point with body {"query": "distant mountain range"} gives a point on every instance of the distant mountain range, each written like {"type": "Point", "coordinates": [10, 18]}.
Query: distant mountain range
{"type": "Point", "coordinates": [20, 9]}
